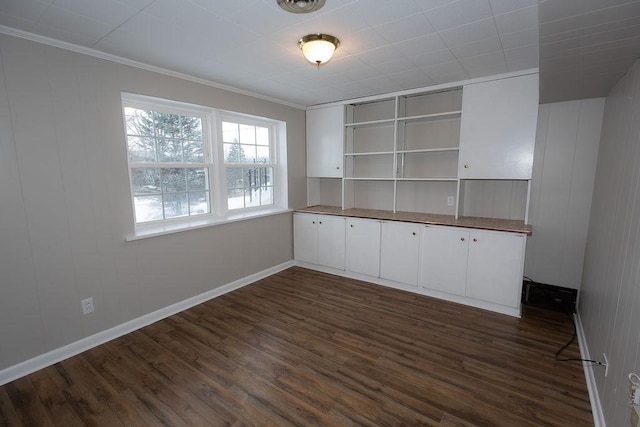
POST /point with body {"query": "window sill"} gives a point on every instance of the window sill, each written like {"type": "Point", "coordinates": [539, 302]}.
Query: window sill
{"type": "Point", "coordinates": [153, 230]}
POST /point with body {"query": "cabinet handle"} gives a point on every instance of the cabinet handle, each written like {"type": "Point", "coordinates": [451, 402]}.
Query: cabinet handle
{"type": "Point", "coordinates": [462, 239]}
{"type": "Point", "coordinates": [475, 240]}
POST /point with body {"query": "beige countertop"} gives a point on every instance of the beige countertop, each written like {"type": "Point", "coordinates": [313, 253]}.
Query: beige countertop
{"type": "Point", "coordinates": [495, 224]}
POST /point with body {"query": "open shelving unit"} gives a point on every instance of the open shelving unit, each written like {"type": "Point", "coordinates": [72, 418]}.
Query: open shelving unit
{"type": "Point", "coordinates": [409, 143]}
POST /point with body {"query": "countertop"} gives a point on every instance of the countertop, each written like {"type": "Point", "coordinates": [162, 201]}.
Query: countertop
{"type": "Point", "coordinates": [495, 224]}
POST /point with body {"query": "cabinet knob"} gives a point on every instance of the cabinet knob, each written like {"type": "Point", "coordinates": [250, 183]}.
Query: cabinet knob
{"type": "Point", "coordinates": [466, 166]}
{"type": "Point", "coordinates": [313, 222]}
{"type": "Point", "coordinates": [462, 239]}
{"type": "Point", "coordinates": [351, 225]}
{"type": "Point", "coordinates": [319, 222]}
{"type": "Point", "coordinates": [475, 240]}
{"type": "Point", "coordinates": [337, 167]}
{"type": "Point", "coordinates": [414, 233]}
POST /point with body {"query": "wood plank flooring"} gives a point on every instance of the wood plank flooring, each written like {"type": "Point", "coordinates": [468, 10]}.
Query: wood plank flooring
{"type": "Point", "coordinates": [306, 348]}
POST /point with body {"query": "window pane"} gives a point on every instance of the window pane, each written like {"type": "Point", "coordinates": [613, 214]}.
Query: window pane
{"type": "Point", "coordinates": [175, 205]}
{"type": "Point", "coordinates": [169, 150]}
{"type": "Point", "coordinates": [262, 135]}
{"type": "Point", "coordinates": [141, 149]}
{"type": "Point", "coordinates": [199, 202]}
{"type": "Point", "coordinates": [230, 132]}
{"type": "Point", "coordinates": [197, 179]}
{"type": "Point", "coordinates": [234, 153]}
{"type": "Point", "coordinates": [191, 127]}
{"type": "Point", "coordinates": [166, 125]}
{"type": "Point", "coordinates": [138, 122]}
{"type": "Point", "coordinates": [263, 154]}
{"type": "Point", "coordinates": [193, 151]}
{"type": "Point", "coordinates": [247, 134]}
{"type": "Point", "coordinates": [249, 153]}
{"type": "Point", "coordinates": [266, 196]}
{"type": "Point", "coordinates": [145, 180]}
{"type": "Point", "coordinates": [148, 208]}
{"type": "Point", "coordinates": [173, 180]}
{"type": "Point", "coordinates": [252, 197]}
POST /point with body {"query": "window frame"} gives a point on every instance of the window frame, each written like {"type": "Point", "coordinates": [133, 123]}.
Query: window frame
{"type": "Point", "coordinates": [214, 162]}
{"type": "Point", "coordinates": [244, 119]}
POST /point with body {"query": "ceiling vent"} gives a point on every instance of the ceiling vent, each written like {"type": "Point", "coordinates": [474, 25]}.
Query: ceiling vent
{"type": "Point", "coordinates": [301, 6]}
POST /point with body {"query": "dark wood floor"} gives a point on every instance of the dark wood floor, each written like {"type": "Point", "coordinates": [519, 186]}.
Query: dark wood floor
{"type": "Point", "coordinates": [306, 348]}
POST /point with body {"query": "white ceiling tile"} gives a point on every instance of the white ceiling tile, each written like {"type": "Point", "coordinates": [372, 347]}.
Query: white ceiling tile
{"type": "Point", "coordinates": [519, 39]}
{"type": "Point", "coordinates": [15, 22]}
{"type": "Point", "coordinates": [518, 20]}
{"type": "Point", "coordinates": [377, 12]}
{"type": "Point", "coordinates": [597, 38]}
{"type": "Point", "coordinates": [136, 4]}
{"type": "Point", "coordinates": [224, 8]}
{"type": "Point", "coordinates": [182, 13]}
{"type": "Point", "coordinates": [432, 58]}
{"type": "Point", "coordinates": [406, 28]}
{"type": "Point", "coordinates": [29, 10]}
{"type": "Point", "coordinates": [361, 41]}
{"type": "Point", "coordinates": [554, 10]}
{"type": "Point", "coordinates": [440, 73]}
{"type": "Point", "coordinates": [253, 18]}
{"type": "Point", "coordinates": [585, 31]}
{"type": "Point", "coordinates": [522, 58]}
{"type": "Point", "coordinates": [432, 4]}
{"type": "Point", "coordinates": [382, 54]}
{"type": "Point", "coordinates": [480, 47]}
{"type": "Point", "coordinates": [458, 13]}
{"type": "Point", "coordinates": [67, 36]}
{"type": "Point", "coordinates": [485, 65]}
{"type": "Point", "coordinates": [84, 27]}
{"type": "Point", "coordinates": [107, 11]}
{"type": "Point", "coordinates": [504, 6]}
{"type": "Point", "coordinates": [395, 66]}
{"type": "Point", "coordinates": [421, 45]}
{"type": "Point", "coordinates": [589, 19]}
{"type": "Point", "coordinates": [468, 33]}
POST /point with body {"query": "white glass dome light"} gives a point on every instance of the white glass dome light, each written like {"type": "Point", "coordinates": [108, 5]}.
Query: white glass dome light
{"type": "Point", "coordinates": [318, 48]}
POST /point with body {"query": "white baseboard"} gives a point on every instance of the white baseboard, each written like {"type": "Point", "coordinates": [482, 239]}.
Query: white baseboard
{"type": "Point", "coordinates": [54, 356]}
{"type": "Point", "coordinates": [594, 397]}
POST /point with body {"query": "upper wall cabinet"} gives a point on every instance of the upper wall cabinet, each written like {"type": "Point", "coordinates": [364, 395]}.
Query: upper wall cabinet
{"type": "Point", "coordinates": [325, 136]}
{"type": "Point", "coordinates": [498, 128]}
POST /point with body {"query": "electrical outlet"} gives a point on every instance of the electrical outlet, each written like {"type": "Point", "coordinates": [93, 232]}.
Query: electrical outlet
{"type": "Point", "coordinates": [450, 201]}
{"type": "Point", "coordinates": [605, 364]}
{"type": "Point", "coordinates": [87, 305]}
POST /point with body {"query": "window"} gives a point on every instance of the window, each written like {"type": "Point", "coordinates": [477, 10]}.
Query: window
{"type": "Point", "coordinates": [248, 164]}
{"type": "Point", "coordinates": [187, 161]}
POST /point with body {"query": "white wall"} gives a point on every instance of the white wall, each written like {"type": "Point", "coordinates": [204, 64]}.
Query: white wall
{"type": "Point", "coordinates": [610, 295]}
{"type": "Point", "coordinates": [566, 153]}
{"type": "Point", "coordinates": [65, 206]}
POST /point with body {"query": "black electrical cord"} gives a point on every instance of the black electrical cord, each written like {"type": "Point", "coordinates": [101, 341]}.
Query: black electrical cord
{"type": "Point", "coordinates": [575, 331]}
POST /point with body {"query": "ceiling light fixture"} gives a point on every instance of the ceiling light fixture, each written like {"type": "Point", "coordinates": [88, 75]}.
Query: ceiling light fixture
{"type": "Point", "coordinates": [301, 6]}
{"type": "Point", "coordinates": [318, 48]}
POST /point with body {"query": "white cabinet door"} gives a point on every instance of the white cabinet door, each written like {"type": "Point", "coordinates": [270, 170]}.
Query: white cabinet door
{"type": "Point", "coordinates": [495, 267]}
{"type": "Point", "coordinates": [363, 246]}
{"type": "Point", "coordinates": [325, 142]}
{"type": "Point", "coordinates": [400, 251]}
{"type": "Point", "coordinates": [444, 259]}
{"type": "Point", "coordinates": [305, 238]}
{"type": "Point", "coordinates": [331, 241]}
{"type": "Point", "coordinates": [498, 128]}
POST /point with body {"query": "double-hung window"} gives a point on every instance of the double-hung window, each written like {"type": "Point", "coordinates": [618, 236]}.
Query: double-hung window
{"type": "Point", "coordinates": [187, 161]}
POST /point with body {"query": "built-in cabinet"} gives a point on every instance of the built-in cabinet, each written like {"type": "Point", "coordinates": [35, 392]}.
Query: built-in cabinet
{"type": "Point", "coordinates": [413, 151]}
{"type": "Point", "coordinates": [477, 267]}
{"type": "Point", "coordinates": [363, 246]}
{"type": "Point", "coordinates": [400, 252]}
{"type": "Point", "coordinates": [319, 239]}
{"type": "Point", "coordinates": [325, 138]}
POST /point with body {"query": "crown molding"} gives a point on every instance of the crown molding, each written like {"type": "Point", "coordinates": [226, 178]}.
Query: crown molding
{"type": "Point", "coordinates": [120, 60]}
